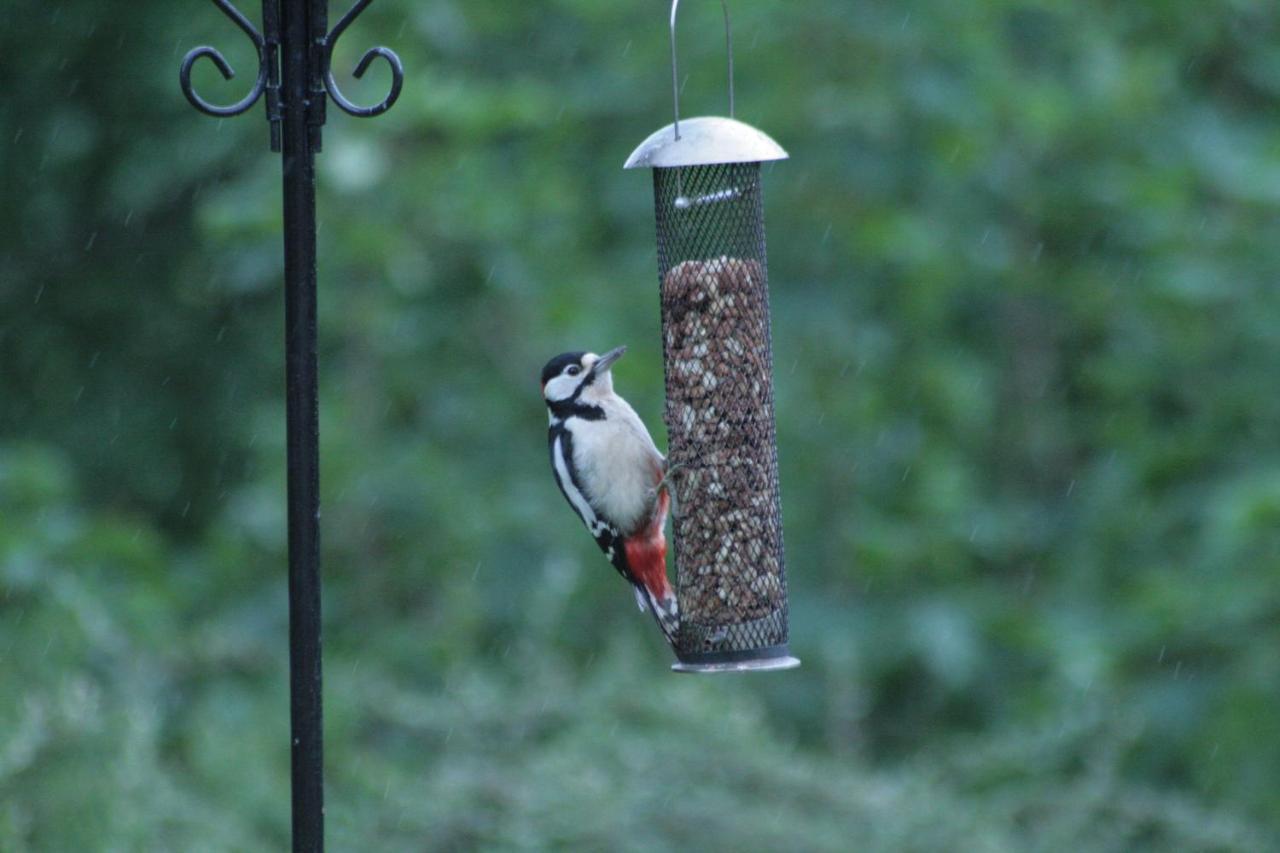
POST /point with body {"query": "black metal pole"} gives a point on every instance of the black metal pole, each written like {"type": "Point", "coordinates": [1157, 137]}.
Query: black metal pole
{"type": "Point", "coordinates": [294, 53]}
{"type": "Point", "coordinates": [299, 69]}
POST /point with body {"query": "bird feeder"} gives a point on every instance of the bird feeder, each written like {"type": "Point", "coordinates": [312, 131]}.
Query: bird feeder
{"type": "Point", "coordinates": [722, 444]}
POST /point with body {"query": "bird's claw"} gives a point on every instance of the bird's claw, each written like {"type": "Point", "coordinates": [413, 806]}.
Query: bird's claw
{"type": "Point", "coordinates": [666, 483]}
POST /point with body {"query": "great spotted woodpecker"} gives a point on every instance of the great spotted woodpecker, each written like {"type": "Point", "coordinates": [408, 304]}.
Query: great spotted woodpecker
{"type": "Point", "coordinates": [611, 473]}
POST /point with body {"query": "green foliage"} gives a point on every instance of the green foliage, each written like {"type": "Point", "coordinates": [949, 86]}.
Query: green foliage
{"type": "Point", "coordinates": [1025, 341]}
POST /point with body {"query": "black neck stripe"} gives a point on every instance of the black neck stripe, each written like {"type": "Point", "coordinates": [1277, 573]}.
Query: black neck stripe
{"type": "Point", "coordinates": [573, 408]}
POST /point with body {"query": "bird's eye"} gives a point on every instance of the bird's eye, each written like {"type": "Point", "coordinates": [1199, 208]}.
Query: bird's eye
{"type": "Point", "coordinates": [573, 370]}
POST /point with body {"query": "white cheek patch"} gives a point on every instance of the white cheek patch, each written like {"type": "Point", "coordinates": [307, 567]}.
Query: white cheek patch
{"type": "Point", "coordinates": [561, 387]}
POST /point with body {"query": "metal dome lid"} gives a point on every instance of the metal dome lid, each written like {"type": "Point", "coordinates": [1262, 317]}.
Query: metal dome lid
{"type": "Point", "coordinates": [705, 141]}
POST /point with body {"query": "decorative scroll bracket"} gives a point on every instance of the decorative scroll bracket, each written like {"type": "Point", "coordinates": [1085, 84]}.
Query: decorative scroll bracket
{"type": "Point", "coordinates": [267, 45]}
{"type": "Point", "coordinates": [393, 61]}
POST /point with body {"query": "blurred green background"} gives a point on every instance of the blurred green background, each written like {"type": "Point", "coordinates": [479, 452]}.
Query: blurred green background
{"type": "Point", "coordinates": [1026, 329]}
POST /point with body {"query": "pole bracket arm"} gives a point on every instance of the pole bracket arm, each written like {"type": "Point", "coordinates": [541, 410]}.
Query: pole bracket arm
{"type": "Point", "coordinates": [320, 58]}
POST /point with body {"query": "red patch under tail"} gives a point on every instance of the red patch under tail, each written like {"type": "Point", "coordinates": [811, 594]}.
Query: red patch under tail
{"type": "Point", "coordinates": [647, 558]}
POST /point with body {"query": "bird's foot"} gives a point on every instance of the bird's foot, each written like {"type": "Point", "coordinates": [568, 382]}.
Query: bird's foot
{"type": "Point", "coordinates": [666, 483]}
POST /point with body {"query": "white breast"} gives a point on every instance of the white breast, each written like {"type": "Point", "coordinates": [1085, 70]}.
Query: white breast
{"type": "Point", "coordinates": [617, 464]}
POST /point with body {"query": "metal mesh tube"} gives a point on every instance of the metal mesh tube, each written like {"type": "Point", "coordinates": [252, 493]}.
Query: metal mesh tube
{"type": "Point", "coordinates": [731, 577]}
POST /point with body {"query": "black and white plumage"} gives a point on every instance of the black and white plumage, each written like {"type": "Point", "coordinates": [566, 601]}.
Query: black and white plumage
{"type": "Point", "coordinates": [611, 473]}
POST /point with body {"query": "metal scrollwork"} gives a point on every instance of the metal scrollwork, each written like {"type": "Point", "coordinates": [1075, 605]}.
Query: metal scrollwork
{"type": "Point", "coordinates": [184, 73]}
{"type": "Point", "coordinates": [320, 75]}
{"type": "Point", "coordinates": [268, 73]}
{"type": "Point", "coordinates": [393, 61]}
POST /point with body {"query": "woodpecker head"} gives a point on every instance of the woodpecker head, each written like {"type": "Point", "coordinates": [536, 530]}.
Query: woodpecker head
{"type": "Point", "coordinates": [579, 375]}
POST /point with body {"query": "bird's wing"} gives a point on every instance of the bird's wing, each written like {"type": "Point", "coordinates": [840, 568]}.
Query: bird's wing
{"type": "Point", "coordinates": [606, 535]}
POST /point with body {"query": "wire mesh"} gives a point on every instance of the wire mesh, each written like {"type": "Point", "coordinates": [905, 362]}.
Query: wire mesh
{"type": "Point", "coordinates": [731, 576]}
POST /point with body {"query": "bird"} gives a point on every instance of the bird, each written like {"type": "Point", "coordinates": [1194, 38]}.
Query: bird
{"type": "Point", "coordinates": [612, 475]}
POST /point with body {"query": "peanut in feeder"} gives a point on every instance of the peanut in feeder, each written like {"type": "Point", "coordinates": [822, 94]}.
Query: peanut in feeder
{"type": "Point", "coordinates": [722, 444]}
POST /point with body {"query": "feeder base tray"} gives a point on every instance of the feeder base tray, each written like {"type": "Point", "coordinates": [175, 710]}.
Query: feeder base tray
{"type": "Point", "coordinates": [756, 660]}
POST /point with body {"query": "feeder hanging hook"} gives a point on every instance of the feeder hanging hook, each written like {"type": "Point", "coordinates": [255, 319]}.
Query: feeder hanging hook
{"type": "Point", "coordinates": [675, 72]}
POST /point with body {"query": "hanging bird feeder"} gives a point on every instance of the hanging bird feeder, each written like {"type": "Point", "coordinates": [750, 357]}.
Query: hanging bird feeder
{"type": "Point", "coordinates": [722, 445]}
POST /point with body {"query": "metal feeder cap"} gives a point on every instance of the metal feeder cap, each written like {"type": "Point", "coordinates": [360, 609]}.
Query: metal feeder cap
{"type": "Point", "coordinates": [703, 142]}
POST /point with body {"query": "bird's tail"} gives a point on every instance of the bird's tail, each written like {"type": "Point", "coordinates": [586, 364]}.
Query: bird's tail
{"type": "Point", "coordinates": [663, 606]}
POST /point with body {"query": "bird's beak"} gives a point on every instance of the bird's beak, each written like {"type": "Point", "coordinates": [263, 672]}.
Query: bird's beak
{"type": "Point", "coordinates": [604, 362]}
